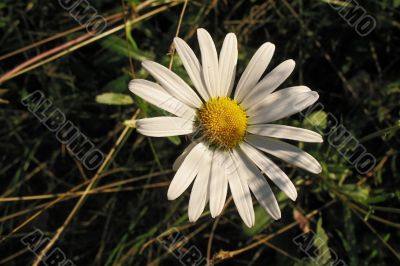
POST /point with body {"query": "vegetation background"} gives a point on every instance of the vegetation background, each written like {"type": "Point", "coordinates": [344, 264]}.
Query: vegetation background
{"type": "Point", "coordinates": [118, 223]}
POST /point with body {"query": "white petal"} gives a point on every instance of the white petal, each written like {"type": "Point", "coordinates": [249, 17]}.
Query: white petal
{"type": "Point", "coordinates": [285, 132]}
{"type": "Point", "coordinates": [155, 94]}
{"type": "Point", "coordinates": [260, 187]}
{"type": "Point", "coordinates": [192, 66]}
{"type": "Point", "coordinates": [199, 194]}
{"type": "Point", "coordinates": [209, 61]}
{"type": "Point", "coordinates": [286, 152]}
{"type": "Point", "coordinates": [173, 84]}
{"type": "Point", "coordinates": [218, 183]}
{"type": "Point", "coordinates": [278, 108]}
{"type": "Point", "coordinates": [227, 64]}
{"type": "Point", "coordinates": [268, 84]}
{"type": "Point", "coordinates": [240, 191]}
{"type": "Point", "coordinates": [178, 161]}
{"type": "Point", "coordinates": [278, 95]}
{"type": "Point", "coordinates": [164, 126]}
{"type": "Point", "coordinates": [273, 172]}
{"type": "Point", "coordinates": [254, 70]}
{"type": "Point", "coordinates": [187, 172]}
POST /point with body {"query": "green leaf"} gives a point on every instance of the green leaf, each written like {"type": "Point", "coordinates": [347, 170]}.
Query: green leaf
{"type": "Point", "coordinates": [118, 85]}
{"type": "Point", "coordinates": [321, 243]}
{"type": "Point", "coordinates": [348, 237]}
{"type": "Point", "coordinates": [112, 98]}
{"type": "Point", "coordinates": [316, 119]}
{"type": "Point", "coordinates": [358, 193]}
{"type": "Point", "coordinates": [306, 262]}
{"type": "Point", "coordinates": [263, 220]}
{"type": "Point", "coordinates": [175, 140]}
{"type": "Point", "coordinates": [135, 2]}
{"type": "Point", "coordinates": [124, 48]}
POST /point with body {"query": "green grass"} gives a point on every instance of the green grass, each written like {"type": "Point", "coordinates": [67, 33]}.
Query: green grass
{"type": "Point", "coordinates": [358, 216]}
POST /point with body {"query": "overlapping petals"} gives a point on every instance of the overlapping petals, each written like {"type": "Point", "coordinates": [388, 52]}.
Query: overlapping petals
{"type": "Point", "coordinates": [242, 168]}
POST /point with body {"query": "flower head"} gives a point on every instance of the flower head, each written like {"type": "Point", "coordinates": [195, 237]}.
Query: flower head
{"type": "Point", "coordinates": [231, 127]}
{"type": "Point", "coordinates": [223, 122]}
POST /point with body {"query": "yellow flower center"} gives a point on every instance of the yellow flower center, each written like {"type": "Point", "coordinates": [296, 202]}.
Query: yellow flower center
{"type": "Point", "coordinates": [223, 122]}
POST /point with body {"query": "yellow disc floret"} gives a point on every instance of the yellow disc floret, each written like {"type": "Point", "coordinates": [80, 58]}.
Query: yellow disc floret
{"type": "Point", "coordinates": [223, 122]}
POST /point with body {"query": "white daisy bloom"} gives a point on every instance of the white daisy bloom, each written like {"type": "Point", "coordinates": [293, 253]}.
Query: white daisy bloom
{"type": "Point", "coordinates": [231, 128]}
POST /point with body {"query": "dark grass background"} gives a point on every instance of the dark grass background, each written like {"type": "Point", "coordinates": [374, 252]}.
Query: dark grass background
{"type": "Point", "coordinates": [358, 82]}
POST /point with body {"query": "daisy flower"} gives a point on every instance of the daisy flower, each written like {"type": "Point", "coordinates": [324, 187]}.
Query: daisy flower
{"type": "Point", "coordinates": [230, 129]}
